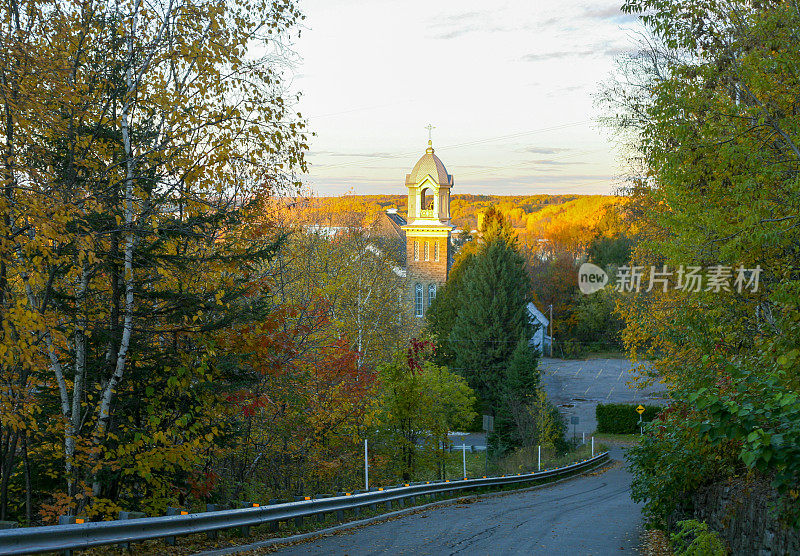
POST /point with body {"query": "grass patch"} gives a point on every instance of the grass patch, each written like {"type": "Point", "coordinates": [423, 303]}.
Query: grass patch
{"type": "Point", "coordinates": [617, 438]}
{"type": "Point", "coordinates": [523, 460]}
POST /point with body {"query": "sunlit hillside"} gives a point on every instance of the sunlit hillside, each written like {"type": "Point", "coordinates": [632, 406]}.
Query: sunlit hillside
{"type": "Point", "coordinates": [567, 221]}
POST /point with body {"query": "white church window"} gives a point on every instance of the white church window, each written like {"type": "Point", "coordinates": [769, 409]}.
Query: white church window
{"type": "Point", "coordinates": [427, 252]}
{"type": "Point", "coordinates": [436, 251]}
{"type": "Point", "coordinates": [416, 250]}
{"type": "Point", "coordinates": [418, 307]}
{"type": "Point", "coordinates": [431, 293]}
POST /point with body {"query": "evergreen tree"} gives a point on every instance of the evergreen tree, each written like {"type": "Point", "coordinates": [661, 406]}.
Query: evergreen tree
{"type": "Point", "coordinates": [441, 315]}
{"type": "Point", "coordinates": [494, 225]}
{"type": "Point", "coordinates": [514, 416]}
{"type": "Point", "coordinates": [491, 316]}
{"type": "Point", "coordinates": [523, 372]}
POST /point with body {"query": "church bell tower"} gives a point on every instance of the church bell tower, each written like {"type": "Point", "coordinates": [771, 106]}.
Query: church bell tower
{"type": "Point", "coordinates": [428, 229]}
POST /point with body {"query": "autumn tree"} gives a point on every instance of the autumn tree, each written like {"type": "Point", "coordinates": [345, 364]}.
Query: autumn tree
{"type": "Point", "coordinates": [307, 370]}
{"type": "Point", "coordinates": [359, 284]}
{"type": "Point", "coordinates": [419, 403]}
{"type": "Point", "coordinates": [132, 161]}
{"type": "Point", "coordinates": [708, 109]}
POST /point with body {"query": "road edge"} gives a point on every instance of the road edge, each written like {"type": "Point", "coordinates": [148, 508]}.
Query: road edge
{"type": "Point", "coordinates": [305, 537]}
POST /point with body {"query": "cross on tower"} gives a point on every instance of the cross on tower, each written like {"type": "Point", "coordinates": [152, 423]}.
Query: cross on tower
{"type": "Point", "coordinates": [430, 128]}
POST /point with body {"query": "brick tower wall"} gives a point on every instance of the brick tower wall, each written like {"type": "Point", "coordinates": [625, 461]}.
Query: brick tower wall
{"type": "Point", "coordinates": [425, 272]}
{"type": "Point", "coordinates": [428, 271]}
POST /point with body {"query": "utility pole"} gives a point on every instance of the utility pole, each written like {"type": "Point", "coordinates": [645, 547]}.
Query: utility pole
{"type": "Point", "coordinates": [551, 330]}
{"type": "Point", "coordinates": [366, 465]}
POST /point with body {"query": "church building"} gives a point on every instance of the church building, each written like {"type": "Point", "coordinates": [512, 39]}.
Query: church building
{"type": "Point", "coordinates": [424, 243]}
{"type": "Point", "coordinates": [426, 230]}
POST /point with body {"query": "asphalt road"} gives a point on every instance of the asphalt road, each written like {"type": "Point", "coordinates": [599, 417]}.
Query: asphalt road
{"type": "Point", "coordinates": [576, 387]}
{"type": "Point", "coordinates": [582, 516]}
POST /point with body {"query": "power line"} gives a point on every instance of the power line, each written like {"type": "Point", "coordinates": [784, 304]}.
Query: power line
{"type": "Point", "coordinates": [458, 145]}
{"type": "Point", "coordinates": [487, 170]}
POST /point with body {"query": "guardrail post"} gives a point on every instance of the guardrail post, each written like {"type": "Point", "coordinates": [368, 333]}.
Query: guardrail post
{"type": "Point", "coordinates": [274, 525]}
{"type": "Point", "coordinates": [67, 520]}
{"type": "Point", "coordinates": [174, 511]}
{"type": "Point", "coordinates": [321, 515]}
{"type": "Point", "coordinates": [340, 513]}
{"type": "Point", "coordinates": [413, 499]}
{"type": "Point", "coordinates": [298, 521]}
{"type": "Point", "coordinates": [373, 507]}
{"type": "Point", "coordinates": [245, 529]}
{"type": "Point", "coordinates": [357, 509]}
{"type": "Point", "coordinates": [129, 515]}
{"type": "Point", "coordinates": [213, 535]}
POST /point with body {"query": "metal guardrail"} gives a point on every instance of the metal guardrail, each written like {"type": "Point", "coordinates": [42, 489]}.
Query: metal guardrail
{"type": "Point", "coordinates": [53, 538]}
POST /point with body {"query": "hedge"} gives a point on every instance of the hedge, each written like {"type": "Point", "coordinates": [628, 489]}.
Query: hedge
{"type": "Point", "coordinates": [622, 418]}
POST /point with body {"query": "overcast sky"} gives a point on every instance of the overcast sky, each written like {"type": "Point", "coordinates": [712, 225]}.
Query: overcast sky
{"type": "Point", "coordinates": [509, 87]}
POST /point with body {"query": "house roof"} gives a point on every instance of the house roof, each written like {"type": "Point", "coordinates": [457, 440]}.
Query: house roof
{"type": "Point", "coordinates": [396, 218]}
{"type": "Point", "coordinates": [537, 315]}
{"type": "Point", "coordinates": [388, 224]}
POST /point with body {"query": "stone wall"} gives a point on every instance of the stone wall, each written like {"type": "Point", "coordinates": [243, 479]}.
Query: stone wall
{"type": "Point", "coordinates": [742, 512]}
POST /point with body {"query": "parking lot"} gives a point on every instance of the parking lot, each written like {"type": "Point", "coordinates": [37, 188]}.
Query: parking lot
{"type": "Point", "coordinates": [576, 387]}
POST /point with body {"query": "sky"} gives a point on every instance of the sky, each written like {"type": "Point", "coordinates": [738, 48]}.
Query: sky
{"type": "Point", "coordinates": [510, 87]}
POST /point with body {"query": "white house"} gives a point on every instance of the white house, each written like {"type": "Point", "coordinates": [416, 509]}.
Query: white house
{"type": "Point", "coordinates": [540, 339]}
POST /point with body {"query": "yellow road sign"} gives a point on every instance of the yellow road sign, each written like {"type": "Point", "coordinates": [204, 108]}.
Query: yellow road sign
{"type": "Point", "coordinates": [640, 409]}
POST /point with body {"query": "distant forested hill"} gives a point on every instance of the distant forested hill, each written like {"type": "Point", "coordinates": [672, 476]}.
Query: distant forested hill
{"type": "Point", "coordinates": [565, 222]}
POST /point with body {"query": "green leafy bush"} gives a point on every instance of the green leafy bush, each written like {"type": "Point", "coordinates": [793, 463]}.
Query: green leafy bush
{"type": "Point", "coordinates": [673, 460]}
{"type": "Point", "coordinates": [570, 349]}
{"type": "Point", "coordinates": [757, 412]}
{"type": "Point", "coordinates": [695, 539]}
{"type": "Point", "coordinates": [622, 418]}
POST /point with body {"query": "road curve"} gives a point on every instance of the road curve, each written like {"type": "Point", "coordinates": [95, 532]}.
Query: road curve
{"type": "Point", "coordinates": [586, 515]}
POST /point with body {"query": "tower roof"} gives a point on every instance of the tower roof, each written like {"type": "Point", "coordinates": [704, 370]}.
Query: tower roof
{"type": "Point", "coordinates": [429, 165]}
